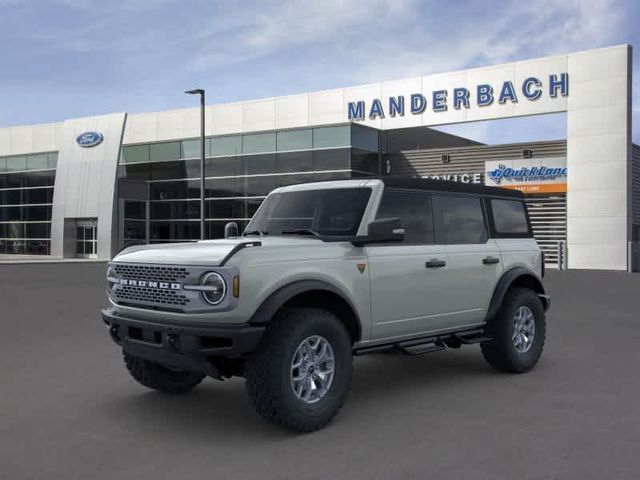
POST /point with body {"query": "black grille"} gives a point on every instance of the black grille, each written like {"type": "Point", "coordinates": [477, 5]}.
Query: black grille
{"type": "Point", "coordinates": [151, 272]}
{"type": "Point", "coordinates": [159, 296]}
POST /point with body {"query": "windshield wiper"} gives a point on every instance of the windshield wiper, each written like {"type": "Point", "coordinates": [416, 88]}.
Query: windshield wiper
{"type": "Point", "coordinates": [301, 231]}
{"type": "Point", "coordinates": [254, 232]}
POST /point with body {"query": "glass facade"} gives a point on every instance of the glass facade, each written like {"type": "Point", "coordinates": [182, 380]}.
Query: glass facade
{"type": "Point", "coordinates": [26, 197]}
{"type": "Point", "coordinates": [240, 170]}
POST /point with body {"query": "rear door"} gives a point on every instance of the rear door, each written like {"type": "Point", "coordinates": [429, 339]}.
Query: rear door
{"type": "Point", "coordinates": [474, 263]}
{"type": "Point", "coordinates": [409, 279]}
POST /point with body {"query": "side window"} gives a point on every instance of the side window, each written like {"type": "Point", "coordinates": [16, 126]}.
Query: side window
{"type": "Point", "coordinates": [460, 219]}
{"type": "Point", "coordinates": [414, 211]}
{"type": "Point", "coordinates": [509, 217]}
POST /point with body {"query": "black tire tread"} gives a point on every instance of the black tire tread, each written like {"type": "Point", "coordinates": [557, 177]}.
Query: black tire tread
{"type": "Point", "coordinates": [498, 352]}
{"type": "Point", "coordinates": [156, 377]}
{"type": "Point", "coordinates": [267, 363]}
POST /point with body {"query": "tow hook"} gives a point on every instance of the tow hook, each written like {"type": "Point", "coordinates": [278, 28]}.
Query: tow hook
{"type": "Point", "coordinates": [115, 334]}
{"type": "Point", "coordinates": [172, 340]}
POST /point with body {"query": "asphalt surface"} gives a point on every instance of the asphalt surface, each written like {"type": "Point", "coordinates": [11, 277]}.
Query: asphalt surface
{"type": "Point", "coordinates": [68, 409]}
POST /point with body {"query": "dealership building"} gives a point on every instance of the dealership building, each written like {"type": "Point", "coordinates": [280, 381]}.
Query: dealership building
{"type": "Point", "coordinates": [88, 187]}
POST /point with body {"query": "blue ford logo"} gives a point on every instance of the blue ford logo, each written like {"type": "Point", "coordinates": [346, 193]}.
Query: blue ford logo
{"type": "Point", "coordinates": [89, 139]}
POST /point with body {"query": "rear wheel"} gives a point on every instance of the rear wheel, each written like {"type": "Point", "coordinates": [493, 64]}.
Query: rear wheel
{"type": "Point", "coordinates": [517, 331]}
{"type": "Point", "coordinates": [158, 377]}
{"type": "Point", "coordinates": [300, 375]}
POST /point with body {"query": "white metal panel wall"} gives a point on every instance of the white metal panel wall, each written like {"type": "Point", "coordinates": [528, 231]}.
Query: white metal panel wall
{"type": "Point", "coordinates": [598, 158]}
{"type": "Point", "coordinates": [86, 178]}
{"type": "Point", "coordinates": [30, 139]}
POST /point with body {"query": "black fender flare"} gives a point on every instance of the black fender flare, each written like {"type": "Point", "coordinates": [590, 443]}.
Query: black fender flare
{"type": "Point", "coordinates": [277, 299]}
{"type": "Point", "coordinates": [507, 280]}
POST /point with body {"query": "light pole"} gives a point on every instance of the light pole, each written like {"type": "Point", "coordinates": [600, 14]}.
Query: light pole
{"type": "Point", "coordinates": [200, 91]}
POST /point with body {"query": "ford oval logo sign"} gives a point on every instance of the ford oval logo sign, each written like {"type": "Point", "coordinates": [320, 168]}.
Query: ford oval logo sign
{"type": "Point", "coordinates": [89, 139]}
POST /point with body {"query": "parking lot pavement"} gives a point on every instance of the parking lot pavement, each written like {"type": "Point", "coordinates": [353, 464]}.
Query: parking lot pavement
{"type": "Point", "coordinates": [69, 410]}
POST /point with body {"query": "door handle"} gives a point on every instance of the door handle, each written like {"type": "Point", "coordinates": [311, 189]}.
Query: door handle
{"type": "Point", "coordinates": [435, 263]}
{"type": "Point", "coordinates": [490, 260]}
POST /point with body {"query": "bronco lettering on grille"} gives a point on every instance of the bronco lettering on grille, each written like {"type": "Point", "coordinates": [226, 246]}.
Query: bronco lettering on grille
{"type": "Point", "coordinates": [151, 284]}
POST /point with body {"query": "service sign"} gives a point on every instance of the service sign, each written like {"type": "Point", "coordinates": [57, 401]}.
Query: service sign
{"type": "Point", "coordinates": [529, 175]}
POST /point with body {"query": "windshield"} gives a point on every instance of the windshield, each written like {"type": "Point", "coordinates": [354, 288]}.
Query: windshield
{"type": "Point", "coordinates": [330, 212]}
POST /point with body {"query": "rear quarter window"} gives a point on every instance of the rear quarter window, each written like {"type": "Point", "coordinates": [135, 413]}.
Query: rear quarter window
{"type": "Point", "coordinates": [509, 217]}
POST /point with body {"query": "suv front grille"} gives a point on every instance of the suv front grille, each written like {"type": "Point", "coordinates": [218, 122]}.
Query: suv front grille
{"type": "Point", "coordinates": [151, 272]}
{"type": "Point", "coordinates": [131, 294]}
{"type": "Point", "coordinates": [164, 287]}
{"type": "Point", "coordinates": [161, 294]}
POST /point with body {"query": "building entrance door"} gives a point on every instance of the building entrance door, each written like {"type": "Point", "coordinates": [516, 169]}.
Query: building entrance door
{"type": "Point", "coordinates": [87, 239]}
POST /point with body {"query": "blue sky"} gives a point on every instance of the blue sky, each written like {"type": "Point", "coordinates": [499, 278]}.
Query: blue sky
{"type": "Point", "coordinates": [69, 58]}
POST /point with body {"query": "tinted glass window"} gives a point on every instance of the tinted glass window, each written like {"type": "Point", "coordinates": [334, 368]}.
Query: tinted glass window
{"type": "Point", "coordinates": [414, 211]}
{"type": "Point", "coordinates": [133, 209]}
{"type": "Point", "coordinates": [224, 167]}
{"type": "Point", "coordinates": [328, 137]}
{"type": "Point", "coordinates": [191, 148]}
{"type": "Point", "coordinates": [509, 217]}
{"type": "Point", "coordinates": [460, 219]}
{"type": "Point", "coordinates": [38, 162]}
{"type": "Point", "coordinates": [219, 146]}
{"type": "Point", "coordinates": [364, 138]}
{"type": "Point", "coordinates": [259, 142]}
{"type": "Point", "coordinates": [260, 164]}
{"type": "Point", "coordinates": [52, 160]}
{"type": "Point", "coordinates": [17, 164]}
{"type": "Point", "coordinates": [168, 170]}
{"type": "Point", "coordinates": [331, 160]}
{"type": "Point", "coordinates": [165, 151]}
{"type": "Point", "coordinates": [135, 154]}
{"type": "Point", "coordinates": [294, 162]}
{"type": "Point", "coordinates": [329, 212]}
{"type": "Point", "coordinates": [294, 139]}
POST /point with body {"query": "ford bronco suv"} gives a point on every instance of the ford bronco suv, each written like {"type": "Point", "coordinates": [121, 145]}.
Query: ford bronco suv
{"type": "Point", "coordinates": [325, 271]}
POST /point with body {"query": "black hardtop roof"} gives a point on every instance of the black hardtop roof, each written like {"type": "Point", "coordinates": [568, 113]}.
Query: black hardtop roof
{"type": "Point", "coordinates": [414, 183]}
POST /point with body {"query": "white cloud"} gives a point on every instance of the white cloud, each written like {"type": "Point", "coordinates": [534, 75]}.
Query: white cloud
{"type": "Point", "coordinates": [274, 27]}
{"type": "Point", "coordinates": [518, 31]}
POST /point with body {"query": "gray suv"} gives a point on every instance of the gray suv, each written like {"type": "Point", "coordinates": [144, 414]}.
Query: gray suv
{"type": "Point", "coordinates": [325, 271]}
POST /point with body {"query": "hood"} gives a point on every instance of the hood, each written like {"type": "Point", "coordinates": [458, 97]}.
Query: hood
{"type": "Point", "coordinates": [207, 252]}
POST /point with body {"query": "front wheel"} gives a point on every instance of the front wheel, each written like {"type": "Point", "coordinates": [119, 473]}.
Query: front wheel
{"type": "Point", "coordinates": [517, 332]}
{"type": "Point", "coordinates": [300, 375]}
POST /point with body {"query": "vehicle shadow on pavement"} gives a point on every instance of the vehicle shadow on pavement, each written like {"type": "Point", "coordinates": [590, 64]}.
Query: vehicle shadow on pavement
{"type": "Point", "coordinates": [216, 408]}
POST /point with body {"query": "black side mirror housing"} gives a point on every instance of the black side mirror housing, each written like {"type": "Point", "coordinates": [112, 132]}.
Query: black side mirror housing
{"type": "Point", "coordinates": [231, 230]}
{"type": "Point", "coordinates": [384, 230]}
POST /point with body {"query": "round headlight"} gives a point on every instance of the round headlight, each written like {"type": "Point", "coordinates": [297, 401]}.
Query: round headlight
{"type": "Point", "coordinates": [110, 274]}
{"type": "Point", "coordinates": [216, 288]}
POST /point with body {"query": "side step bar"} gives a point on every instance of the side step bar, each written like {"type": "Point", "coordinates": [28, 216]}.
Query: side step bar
{"type": "Point", "coordinates": [435, 343]}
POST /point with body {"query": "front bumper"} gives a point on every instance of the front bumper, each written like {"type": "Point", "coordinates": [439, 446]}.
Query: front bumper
{"type": "Point", "coordinates": [190, 348]}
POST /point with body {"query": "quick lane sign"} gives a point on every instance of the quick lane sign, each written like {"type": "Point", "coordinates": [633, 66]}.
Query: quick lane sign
{"type": "Point", "coordinates": [531, 89]}
{"type": "Point", "coordinates": [542, 175]}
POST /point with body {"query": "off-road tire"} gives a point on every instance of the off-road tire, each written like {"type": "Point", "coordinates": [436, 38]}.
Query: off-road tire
{"type": "Point", "coordinates": [268, 369]}
{"type": "Point", "coordinates": [500, 351]}
{"type": "Point", "coordinates": [157, 377]}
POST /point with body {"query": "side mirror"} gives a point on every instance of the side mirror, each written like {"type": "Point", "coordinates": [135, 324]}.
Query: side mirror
{"type": "Point", "coordinates": [231, 230]}
{"type": "Point", "coordinates": [384, 230]}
